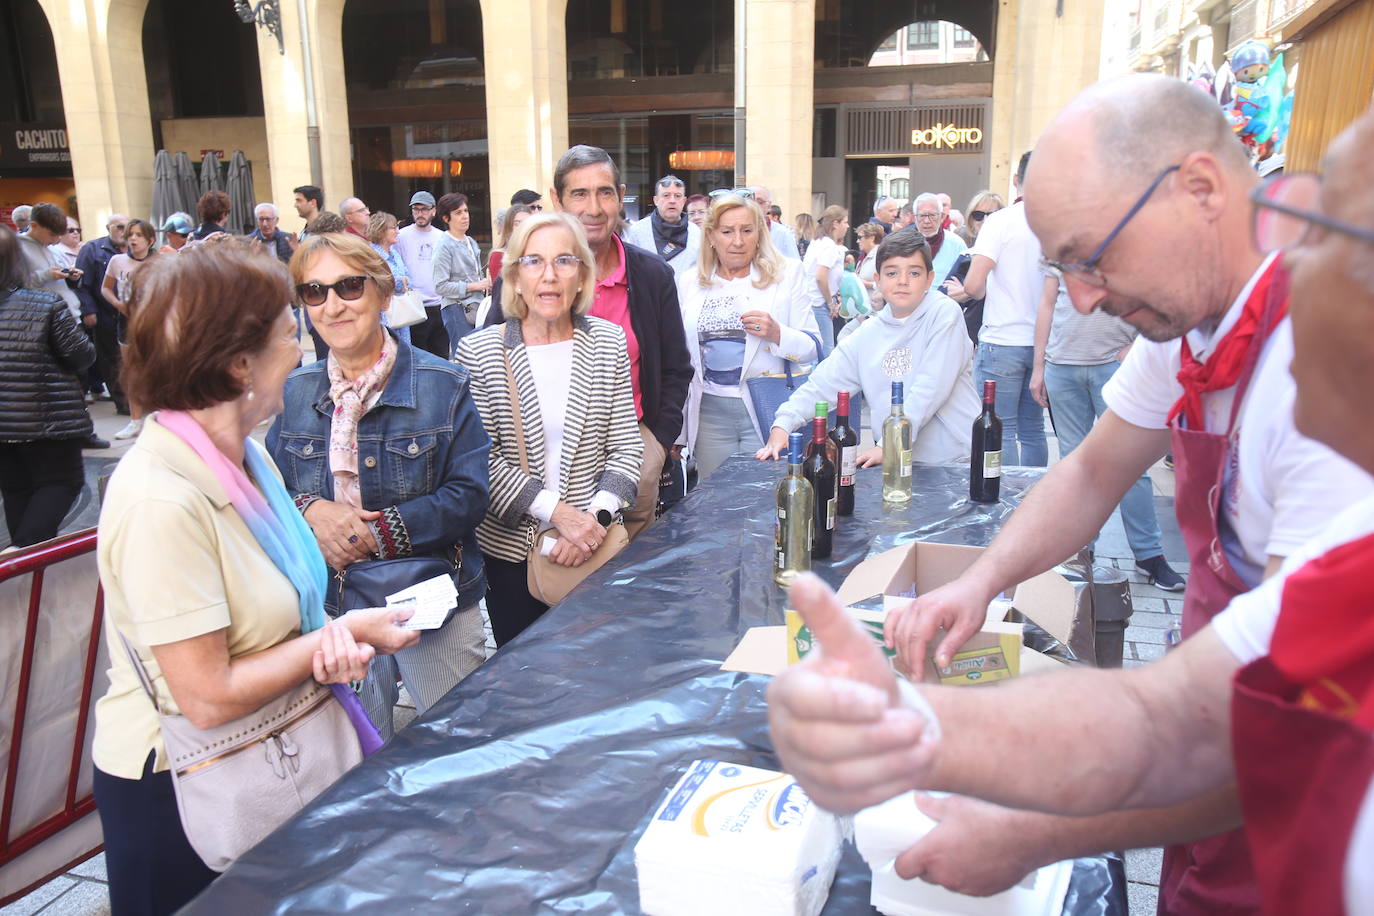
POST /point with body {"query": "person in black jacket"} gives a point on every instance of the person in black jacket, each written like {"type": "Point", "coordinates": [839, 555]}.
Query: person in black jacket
{"type": "Point", "coordinates": [43, 419]}
{"type": "Point", "coordinates": [636, 290]}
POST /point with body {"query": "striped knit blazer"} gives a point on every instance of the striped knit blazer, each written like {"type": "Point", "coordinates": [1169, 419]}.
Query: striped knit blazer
{"type": "Point", "coordinates": [602, 449]}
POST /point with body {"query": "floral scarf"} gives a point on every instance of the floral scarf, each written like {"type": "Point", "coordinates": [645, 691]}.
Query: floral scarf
{"type": "Point", "coordinates": [351, 400]}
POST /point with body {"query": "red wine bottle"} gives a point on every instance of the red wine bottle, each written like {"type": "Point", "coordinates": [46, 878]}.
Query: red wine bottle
{"type": "Point", "coordinates": [985, 458]}
{"type": "Point", "coordinates": [847, 444]}
{"type": "Point", "coordinates": [820, 471]}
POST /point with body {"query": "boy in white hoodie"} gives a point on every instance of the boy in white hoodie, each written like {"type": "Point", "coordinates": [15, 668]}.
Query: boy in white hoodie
{"type": "Point", "coordinates": [918, 339]}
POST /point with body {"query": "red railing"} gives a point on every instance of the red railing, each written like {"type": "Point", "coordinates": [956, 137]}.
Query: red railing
{"type": "Point", "coordinates": [35, 561]}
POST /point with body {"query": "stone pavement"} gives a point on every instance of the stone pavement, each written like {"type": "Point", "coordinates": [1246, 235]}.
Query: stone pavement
{"type": "Point", "coordinates": [82, 891]}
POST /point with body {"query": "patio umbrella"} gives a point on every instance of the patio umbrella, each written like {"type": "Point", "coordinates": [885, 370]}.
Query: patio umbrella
{"type": "Point", "coordinates": [165, 190]}
{"type": "Point", "coordinates": [211, 179]}
{"type": "Point", "coordinates": [187, 193]}
{"type": "Point", "coordinates": [238, 184]}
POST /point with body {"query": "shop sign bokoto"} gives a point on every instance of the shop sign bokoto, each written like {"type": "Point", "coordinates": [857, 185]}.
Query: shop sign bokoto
{"type": "Point", "coordinates": [946, 136]}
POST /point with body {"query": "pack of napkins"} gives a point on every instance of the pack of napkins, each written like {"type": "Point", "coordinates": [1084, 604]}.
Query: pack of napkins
{"type": "Point", "coordinates": [885, 831]}
{"type": "Point", "coordinates": [732, 839]}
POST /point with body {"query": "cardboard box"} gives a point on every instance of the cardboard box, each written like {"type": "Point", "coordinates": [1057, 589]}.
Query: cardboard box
{"type": "Point", "coordinates": [888, 579]}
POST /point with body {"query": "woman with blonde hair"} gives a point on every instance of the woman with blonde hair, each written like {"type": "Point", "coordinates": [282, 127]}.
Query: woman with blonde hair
{"type": "Point", "coordinates": [983, 203]}
{"type": "Point", "coordinates": [381, 232]}
{"type": "Point", "coordinates": [552, 386]}
{"type": "Point", "coordinates": [823, 267]}
{"type": "Point", "coordinates": [746, 315]}
{"type": "Point", "coordinates": [805, 228]}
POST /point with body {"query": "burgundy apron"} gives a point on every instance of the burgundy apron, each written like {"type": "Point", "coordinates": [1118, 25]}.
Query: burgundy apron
{"type": "Point", "coordinates": [1304, 744]}
{"type": "Point", "coordinates": [1211, 876]}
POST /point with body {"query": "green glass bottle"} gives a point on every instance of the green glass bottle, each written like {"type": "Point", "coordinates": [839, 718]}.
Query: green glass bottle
{"type": "Point", "coordinates": [897, 452]}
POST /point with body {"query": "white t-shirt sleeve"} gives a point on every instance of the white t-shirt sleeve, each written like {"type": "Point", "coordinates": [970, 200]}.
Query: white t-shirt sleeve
{"type": "Point", "coordinates": [1145, 388]}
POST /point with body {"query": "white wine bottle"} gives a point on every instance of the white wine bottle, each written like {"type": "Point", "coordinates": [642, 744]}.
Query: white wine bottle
{"type": "Point", "coordinates": [897, 452]}
{"type": "Point", "coordinates": [796, 514]}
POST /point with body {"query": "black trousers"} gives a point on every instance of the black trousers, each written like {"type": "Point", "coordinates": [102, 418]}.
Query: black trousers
{"type": "Point", "coordinates": [39, 481]}
{"type": "Point", "coordinates": [151, 866]}
{"type": "Point", "coordinates": [108, 361]}
{"type": "Point", "coordinates": [510, 605]}
{"type": "Point", "coordinates": [430, 334]}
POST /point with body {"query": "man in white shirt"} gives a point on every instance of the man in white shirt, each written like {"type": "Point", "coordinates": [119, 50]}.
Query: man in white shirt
{"type": "Point", "coordinates": [1249, 490]}
{"type": "Point", "coordinates": [666, 231]}
{"type": "Point", "coordinates": [419, 243]}
{"type": "Point", "coordinates": [782, 237]}
{"type": "Point", "coordinates": [1005, 273]}
{"type": "Point", "coordinates": [1273, 701]}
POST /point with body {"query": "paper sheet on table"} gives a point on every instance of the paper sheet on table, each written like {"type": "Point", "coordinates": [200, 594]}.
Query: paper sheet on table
{"type": "Point", "coordinates": [763, 650]}
{"type": "Point", "coordinates": [432, 600]}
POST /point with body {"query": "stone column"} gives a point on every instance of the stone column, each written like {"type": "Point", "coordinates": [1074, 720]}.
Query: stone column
{"type": "Point", "coordinates": [99, 46]}
{"type": "Point", "coordinates": [286, 100]}
{"type": "Point", "coordinates": [526, 51]}
{"type": "Point", "coordinates": [780, 50]}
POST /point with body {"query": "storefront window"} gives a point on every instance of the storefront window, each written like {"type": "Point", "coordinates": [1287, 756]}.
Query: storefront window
{"type": "Point", "coordinates": [611, 39]}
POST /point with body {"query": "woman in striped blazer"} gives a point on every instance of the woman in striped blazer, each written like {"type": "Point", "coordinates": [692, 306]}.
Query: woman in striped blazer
{"type": "Point", "coordinates": [571, 375]}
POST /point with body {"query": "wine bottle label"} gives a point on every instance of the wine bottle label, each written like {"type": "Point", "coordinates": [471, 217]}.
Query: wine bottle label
{"type": "Point", "coordinates": [782, 514]}
{"type": "Point", "coordinates": [849, 465]}
{"type": "Point", "coordinates": [906, 462]}
{"type": "Point", "coordinates": [992, 464]}
{"type": "Point", "coordinates": [830, 514]}
{"type": "Point", "coordinates": [782, 560]}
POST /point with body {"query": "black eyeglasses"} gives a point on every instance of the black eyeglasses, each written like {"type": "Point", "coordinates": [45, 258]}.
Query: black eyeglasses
{"type": "Point", "coordinates": [1286, 209]}
{"type": "Point", "coordinates": [1086, 271]}
{"type": "Point", "coordinates": [977, 216]}
{"type": "Point", "coordinates": [347, 288]}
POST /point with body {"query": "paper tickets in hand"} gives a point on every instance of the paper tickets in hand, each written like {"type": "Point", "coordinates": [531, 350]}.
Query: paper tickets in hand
{"type": "Point", "coordinates": [432, 600]}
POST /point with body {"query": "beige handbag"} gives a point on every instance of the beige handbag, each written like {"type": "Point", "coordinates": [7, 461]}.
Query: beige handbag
{"type": "Point", "coordinates": [238, 782]}
{"type": "Point", "coordinates": [548, 581]}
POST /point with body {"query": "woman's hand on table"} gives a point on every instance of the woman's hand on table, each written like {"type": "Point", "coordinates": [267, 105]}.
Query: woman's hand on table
{"type": "Point", "coordinates": [379, 627]}
{"type": "Point", "coordinates": [774, 447]}
{"type": "Point", "coordinates": [580, 529]}
{"type": "Point", "coordinates": [340, 659]}
{"type": "Point", "coordinates": [975, 848]}
{"type": "Point", "coordinates": [959, 608]}
{"type": "Point", "coordinates": [341, 531]}
{"type": "Point", "coordinates": [762, 326]}
{"type": "Point", "coordinates": [837, 718]}
{"type": "Point", "coordinates": [870, 457]}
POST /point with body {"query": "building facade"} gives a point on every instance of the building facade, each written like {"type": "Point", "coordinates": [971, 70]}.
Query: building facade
{"type": "Point", "coordinates": [380, 97]}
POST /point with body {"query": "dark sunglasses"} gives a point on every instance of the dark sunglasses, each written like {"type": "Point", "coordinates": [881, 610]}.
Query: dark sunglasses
{"type": "Point", "coordinates": [347, 289]}
{"type": "Point", "coordinates": [978, 216]}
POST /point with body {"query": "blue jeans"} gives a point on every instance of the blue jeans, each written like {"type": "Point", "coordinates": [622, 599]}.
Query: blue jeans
{"type": "Point", "coordinates": [1023, 420]}
{"type": "Point", "coordinates": [1076, 399]}
{"type": "Point", "coordinates": [827, 328]}
{"type": "Point", "coordinates": [456, 323]}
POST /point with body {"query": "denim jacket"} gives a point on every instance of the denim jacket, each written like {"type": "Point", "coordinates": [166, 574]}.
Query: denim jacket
{"type": "Point", "coordinates": [422, 459]}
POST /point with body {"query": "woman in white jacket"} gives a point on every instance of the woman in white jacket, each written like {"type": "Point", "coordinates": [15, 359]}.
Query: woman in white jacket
{"type": "Point", "coordinates": [920, 340]}
{"type": "Point", "coordinates": [745, 313]}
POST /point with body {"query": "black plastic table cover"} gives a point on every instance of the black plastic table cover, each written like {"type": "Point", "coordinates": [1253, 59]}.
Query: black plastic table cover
{"type": "Point", "coordinates": [525, 789]}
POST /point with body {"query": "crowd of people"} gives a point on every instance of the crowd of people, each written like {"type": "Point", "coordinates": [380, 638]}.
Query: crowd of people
{"type": "Point", "coordinates": [521, 427]}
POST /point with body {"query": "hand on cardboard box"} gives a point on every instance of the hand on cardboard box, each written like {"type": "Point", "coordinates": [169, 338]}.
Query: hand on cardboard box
{"type": "Point", "coordinates": [959, 608]}
{"type": "Point", "coordinates": [975, 848]}
{"type": "Point", "coordinates": [839, 722]}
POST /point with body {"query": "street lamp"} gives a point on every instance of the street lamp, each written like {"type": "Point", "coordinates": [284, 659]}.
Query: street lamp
{"type": "Point", "coordinates": [267, 13]}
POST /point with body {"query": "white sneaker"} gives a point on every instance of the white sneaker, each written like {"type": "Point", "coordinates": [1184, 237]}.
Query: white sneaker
{"type": "Point", "coordinates": [131, 430]}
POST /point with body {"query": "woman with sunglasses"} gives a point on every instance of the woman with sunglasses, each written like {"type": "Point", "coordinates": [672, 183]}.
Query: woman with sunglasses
{"type": "Point", "coordinates": [553, 388]}
{"type": "Point", "coordinates": [381, 447]}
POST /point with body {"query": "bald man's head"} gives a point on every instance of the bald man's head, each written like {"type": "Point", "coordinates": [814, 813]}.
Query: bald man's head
{"type": "Point", "coordinates": [1181, 258]}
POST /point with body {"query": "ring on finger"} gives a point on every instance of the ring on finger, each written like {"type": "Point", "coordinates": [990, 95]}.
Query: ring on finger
{"type": "Point", "coordinates": [352, 539]}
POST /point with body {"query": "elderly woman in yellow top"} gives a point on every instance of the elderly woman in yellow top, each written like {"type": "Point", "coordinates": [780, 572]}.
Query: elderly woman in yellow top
{"type": "Point", "coordinates": [210, 575]}
{"type": "Point", "coordinates": [570, 377]}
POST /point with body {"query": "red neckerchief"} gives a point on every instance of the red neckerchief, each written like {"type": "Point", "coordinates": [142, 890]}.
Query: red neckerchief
{"type": "Point", "coordinates": [1324, 639]}
{"type": "Point", "coordinates": [1227, 360]}
{"type": "Point", "coordinates": [936, 243]}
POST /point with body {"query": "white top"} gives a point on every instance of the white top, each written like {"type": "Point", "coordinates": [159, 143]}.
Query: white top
{"type": "Point", "coordinates": [1281, 488]}
{"type": "Point", "coordinates": [784, 301]}
{"type": "Point", "coordinates": [551, 366]}
{"type": "Point", "coordinates": [1246, 627]}
{"type": "Point", "coordinates": [418, 248]}
{"type": "Point", "coordinates": [822, 252]}
{"type": "Point", "coordinates": [929, 352]}
{"type": "Point", "coordinates": [1014, 284]}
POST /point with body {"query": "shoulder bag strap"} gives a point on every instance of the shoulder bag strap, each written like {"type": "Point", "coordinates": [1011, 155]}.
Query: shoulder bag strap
{"type": "Point", "coordinates": [515, 410]}
{"type": "Point", "coordinates": [140, 671]}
